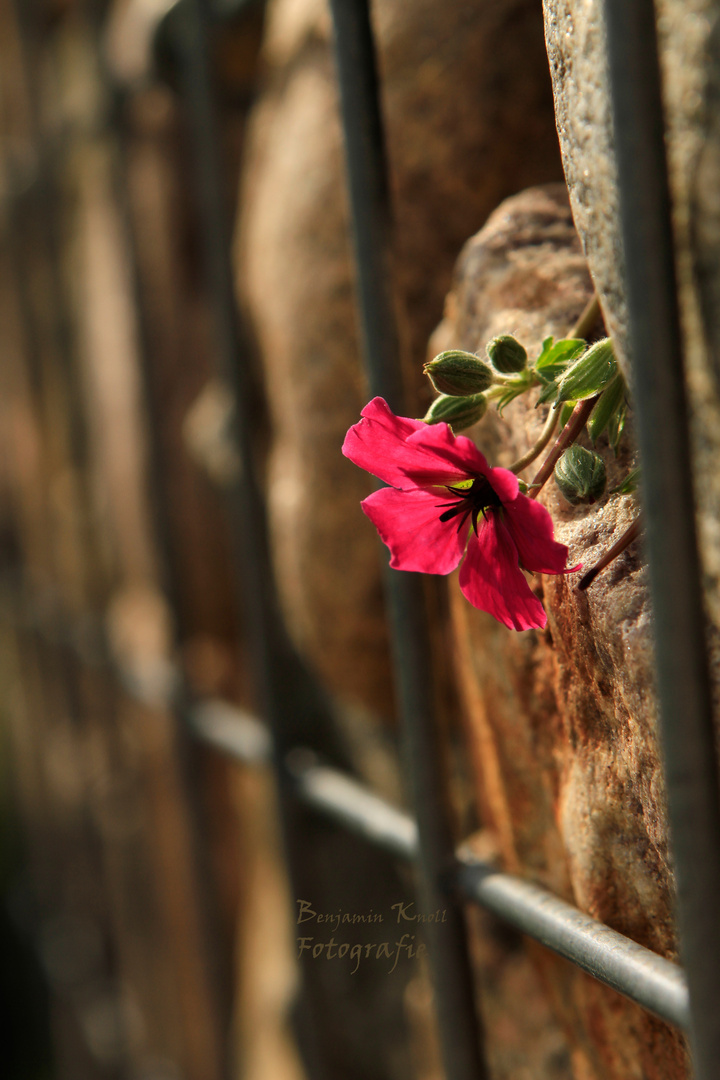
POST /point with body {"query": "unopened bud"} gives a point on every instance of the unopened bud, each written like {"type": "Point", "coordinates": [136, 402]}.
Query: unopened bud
{"type": "Point", "coordinates": [580, 475]}
{"type": "Point", "coordinates": [459, 373]}
{"type": "Point", "coordinates": [594, 370]}
{"type": "Point", "coordinates": [506, 354]}
{"type": "Point", "coordinates": [459, 412]}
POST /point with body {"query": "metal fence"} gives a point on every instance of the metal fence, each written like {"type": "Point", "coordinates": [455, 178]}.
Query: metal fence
{"type": "Point", "coordinates": [448, 877]}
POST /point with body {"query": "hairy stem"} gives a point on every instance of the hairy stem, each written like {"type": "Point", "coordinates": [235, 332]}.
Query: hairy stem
{"type": "Point", "coordinates": [537, 449]}
{"type": "Point", "coordinates": [588, 318]}
{"type": "Point", "coordinates": [612, 553]}
{"type": "Point", "coordinates": [567, 436]}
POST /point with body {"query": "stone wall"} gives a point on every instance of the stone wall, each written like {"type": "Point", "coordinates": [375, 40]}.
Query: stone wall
{"type": "Point", "coordinates": [561, 724]}
{"type": "Point", "coordinates": [688, 40]}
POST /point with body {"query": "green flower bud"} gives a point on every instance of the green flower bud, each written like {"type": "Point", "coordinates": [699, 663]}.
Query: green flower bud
{"type": "Point", "coordinates": [612, 401]}
{"type": "Point", "coordinates": [580, 475]}
{"type": "Point", "coordinates": [459, 412]}
{"type": "Point", "coordinates": [459, 373]}
{"type": "Point", "coordinates": [595, 369]}
{"type": "Point", "coordinates": [506, 354]}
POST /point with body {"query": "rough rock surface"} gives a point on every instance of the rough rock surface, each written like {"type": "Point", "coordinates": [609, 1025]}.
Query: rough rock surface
{"type": "Point", "coordinates": [469, 115]}
{"type": "Point", "coordinates": [561, 724]}
{"type": "Point", "coordinates": [688, 38]}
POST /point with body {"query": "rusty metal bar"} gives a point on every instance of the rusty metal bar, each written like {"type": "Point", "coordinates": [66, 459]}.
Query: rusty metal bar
{"type": "Point", "coordinates": [294, 703]}
{"type": "Point", "coordinates": [634, 971]}
{"type": "Point", "coordinates": [684, 693]}
{"type": "Point", "coordinates": [459, 1026]}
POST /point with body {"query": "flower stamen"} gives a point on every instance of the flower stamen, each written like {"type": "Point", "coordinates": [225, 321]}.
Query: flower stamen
{"type": "Point", "coordinates": [475, 500]}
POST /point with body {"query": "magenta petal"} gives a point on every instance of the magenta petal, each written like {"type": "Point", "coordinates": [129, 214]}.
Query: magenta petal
{"type": "Point", "coordinates": [491, 579]}
{"type": "Point", "coordinates": [410, 453]}
{"type": "Point", "coordinates": [504, 483]}
{"type": "Point", "coordinates": [378, 443]}
{"type": "Point", "coordinates": [379, 412]}
{"type": "Point", "coordinates": [531, 528]}
{"type": "Point", "coordinates": [409, 523]}
{"type": "Point", "coordinates": [441, 457]}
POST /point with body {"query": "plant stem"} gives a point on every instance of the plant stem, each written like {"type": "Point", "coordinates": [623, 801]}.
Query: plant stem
{"type": "Point", "coordinates": [567, 436]}
{"type": "Point", "coordinates": [502, 381]}
{"type": "Point", "coordinates": [588, 318]}
{"type": "Point", "coordinates": [612, 553]}
{"type": "Point", "coordinates": [537, 449]}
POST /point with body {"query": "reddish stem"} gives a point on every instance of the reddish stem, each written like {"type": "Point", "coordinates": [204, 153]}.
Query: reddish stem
{"type": "Point", "coordinates": [612, 553]}
{"type": "Point", "coordinates": [568, 435]}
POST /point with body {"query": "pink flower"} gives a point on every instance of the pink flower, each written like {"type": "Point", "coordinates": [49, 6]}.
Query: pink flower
{"type": "Point", "coordinates": [445, 499]}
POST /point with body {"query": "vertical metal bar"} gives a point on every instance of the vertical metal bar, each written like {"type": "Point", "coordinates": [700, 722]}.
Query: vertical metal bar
{"type": "Point", "coordinates": [460, 1031]}
{"type": "Point", "coordinates": [682, 668]}
{"type": "Point", "coordinates": [216, 991]}
{"type": "Point", "coordinates": [294, 705]}
{"type": "Point", "coordinates": [368, 181]}
{"type": "Point", "coordinates": [245, 504]}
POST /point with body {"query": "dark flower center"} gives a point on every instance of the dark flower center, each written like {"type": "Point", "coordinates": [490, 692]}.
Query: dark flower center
{"type": "Point", "coordinates": [475, 500]}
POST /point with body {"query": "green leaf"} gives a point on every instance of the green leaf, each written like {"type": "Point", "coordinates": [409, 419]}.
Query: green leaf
{"type": "Point", "coordinates": [629, 484]}
{"type": "Point", "coordinates": [510, 394]}
{"type": "Point", "coordinates": [590, 374]}
{"type": "Point", "coordinates": [561, 352]}
{"type": "Point", "coordinates": [611, 401]}
{"type": "Point", "coordinates": [552, 364]}
{"type": "Point", "coordinates": [566, 411]}
{"type": "Point", "coordinates": [547, 346]}
{"type": "Point", "coordinates": [616, 428]}
{"type": "Point", "coordinates": [548, 393]}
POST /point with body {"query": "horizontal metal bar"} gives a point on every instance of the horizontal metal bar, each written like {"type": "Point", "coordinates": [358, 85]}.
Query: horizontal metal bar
{"type": "Point", "coordinates": [634, 971]}
{"type": "Point", "coordinates": [631, 969]}
{"type": "Point", "coordinates": [649, 980]}
{"type": "Point", "coordinates": [349, 803]}
{"type": "Point", "coordinates": [231, 730]}
{"type": "Point", "coordinates": [236, 732]}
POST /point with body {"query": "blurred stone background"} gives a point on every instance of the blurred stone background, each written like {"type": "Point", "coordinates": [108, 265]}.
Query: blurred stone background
{"type": "Point", "coordinates": [145, 908]}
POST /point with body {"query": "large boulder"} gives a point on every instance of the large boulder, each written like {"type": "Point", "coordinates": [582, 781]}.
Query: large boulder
{"type": "Point", "coordinates": [561, 725]}
{"type": "Point", "coordinates": [688, 40]}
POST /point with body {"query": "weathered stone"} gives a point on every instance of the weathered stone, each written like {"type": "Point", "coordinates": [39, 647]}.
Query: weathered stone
{"type": "Point", "coordinates": [561, 724]}
{"type": "Point", "coordinates": [584, 123]}
{"type": "Point", "coordinates": [469, 120]}
{"type": "Point", "coordinates": [688, 39]}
